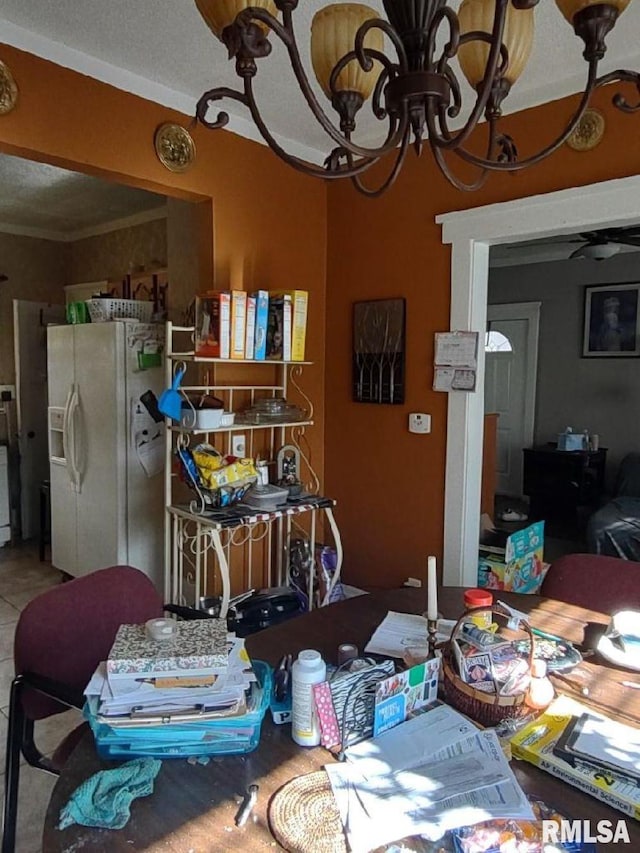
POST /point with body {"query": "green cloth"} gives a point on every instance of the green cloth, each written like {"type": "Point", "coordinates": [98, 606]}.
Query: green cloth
{"type": "Point", "coordinates": [104, 800]}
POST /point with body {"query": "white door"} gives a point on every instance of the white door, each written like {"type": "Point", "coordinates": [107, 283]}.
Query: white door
{"type": "Point", "coordinates": [511, 362]}
{"type": "Point", "coordinates": [99, 430]}
{"type": "Point", "coordinates": [64, 522]}
{"type": "Point", "coordinates": [30, 321]}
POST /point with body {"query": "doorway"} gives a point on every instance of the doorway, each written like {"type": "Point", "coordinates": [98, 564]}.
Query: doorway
{"type": "Point", "coordinates": [470, 233]}
{"type": "Point", "coordinates": [511, 360]}
{"type": "Point", "coordinates": [30, 320]}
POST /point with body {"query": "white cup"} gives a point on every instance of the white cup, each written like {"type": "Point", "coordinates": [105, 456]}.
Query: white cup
{"type": "Point", "coordinates": [595, 441]}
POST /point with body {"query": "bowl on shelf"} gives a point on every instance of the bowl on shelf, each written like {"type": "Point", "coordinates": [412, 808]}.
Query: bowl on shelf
{"type": "Point", "coordinates": [201, 418]}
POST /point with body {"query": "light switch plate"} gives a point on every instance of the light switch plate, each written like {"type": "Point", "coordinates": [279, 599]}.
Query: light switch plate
{"type": "Point", "coordinates": [419, 423]}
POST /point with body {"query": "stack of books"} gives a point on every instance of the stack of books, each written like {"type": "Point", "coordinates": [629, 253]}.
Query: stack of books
{"type": "Point", "coordinates": [586, 749]}
{"type": "Point", "coordinates": [254, 326]}
{"type": "Point", "coordinates": [170, 697]}
{"type": "Point", "coordinates": [200, 669]}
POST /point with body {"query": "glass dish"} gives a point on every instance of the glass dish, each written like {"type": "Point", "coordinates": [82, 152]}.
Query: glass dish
{"type": "Point", "coordinates": [271, 410]}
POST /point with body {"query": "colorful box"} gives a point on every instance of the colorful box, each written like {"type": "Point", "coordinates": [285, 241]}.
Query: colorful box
{"type": "Point", "coordinates": [238, 323]}
{"type": "Point", "coordinates": [299, 302]}
{"type": "Point", "coordinates": [262, 318]}
{"type": "Point", "coordinates": [213, 324]}
{"type": "Point", "coordinates": [519, 566]}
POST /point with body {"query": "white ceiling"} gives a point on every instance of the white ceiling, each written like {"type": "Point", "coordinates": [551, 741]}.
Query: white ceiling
{"type": "Point", "coordinates": [163, 51]}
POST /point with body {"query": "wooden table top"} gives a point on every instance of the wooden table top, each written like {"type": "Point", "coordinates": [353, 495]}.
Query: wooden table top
{"type": "Point", "coordinates": [193, 807]}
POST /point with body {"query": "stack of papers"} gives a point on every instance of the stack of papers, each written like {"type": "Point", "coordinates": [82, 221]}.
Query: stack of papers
{"type": "Point", "coordinates": [149, 695]}
{"type": "Point", "coordinates": [399, 632]}
{"type": "Point", "coordinates": [433, 773]}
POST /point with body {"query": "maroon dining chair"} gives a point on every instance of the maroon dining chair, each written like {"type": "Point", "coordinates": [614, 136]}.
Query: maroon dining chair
{"type": "Point", "coordinates": [594, 581]}
{"type": "Point", "coordinates": [61, 637]}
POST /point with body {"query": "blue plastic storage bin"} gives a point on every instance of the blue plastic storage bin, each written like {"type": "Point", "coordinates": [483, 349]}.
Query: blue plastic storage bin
{"type": "Point", "coordinates": [226, 736]}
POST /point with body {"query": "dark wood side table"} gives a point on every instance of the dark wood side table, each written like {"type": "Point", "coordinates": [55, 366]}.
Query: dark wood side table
{"type": "Point", "coordinates": [558, 482]}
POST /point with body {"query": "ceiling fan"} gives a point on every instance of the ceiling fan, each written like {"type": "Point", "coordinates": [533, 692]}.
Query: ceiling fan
{"type": "Point", "coordinates": [600, 245]}
{"type": "Point", "coordinates": [595, 245]}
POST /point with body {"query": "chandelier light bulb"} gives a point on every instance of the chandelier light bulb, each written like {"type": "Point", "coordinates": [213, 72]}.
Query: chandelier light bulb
{"type": "Point", "coordinates": [333, 35]}
{"type": "Point", "coordinates": [479, 16]}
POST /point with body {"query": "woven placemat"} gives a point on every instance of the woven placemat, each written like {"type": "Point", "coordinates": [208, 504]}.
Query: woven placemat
{"type": "Point", "coordinates": [304, 817]}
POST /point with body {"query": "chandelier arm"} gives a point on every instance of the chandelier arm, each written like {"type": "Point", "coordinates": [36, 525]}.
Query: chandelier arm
{"type": "Point", "coordinates": [439, 157]}
{"type": "Point", "coordinates": [296, 162]}
{"type": "Point", "coordinates": [622, 76]}
{"type": "Point", "coordinates": [393, 174]}
{"type": "Point", "coordinates": [217, 94]}
{"type": "Point", "coordinates": [516, 165]}
{"type": "Point", "coordinates": [379, 24]}
{"type": "Point", "coordinates": [396, 128]}
{"type": "Point", "coordinates": [287, 34]}
{"type": "Point", "coordinates": [451, 47]}
{"type": "Point", "coordinates": [377, 109]}
{"type": "Point", "coordinates": [446, 139]}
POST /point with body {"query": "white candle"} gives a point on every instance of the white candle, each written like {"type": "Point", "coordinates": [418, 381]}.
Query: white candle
{"type": "Point", "coordinates": [432, 589]}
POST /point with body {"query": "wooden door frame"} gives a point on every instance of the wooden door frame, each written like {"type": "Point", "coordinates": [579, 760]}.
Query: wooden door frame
{"type": "Point", "coordinates": [470, 233]}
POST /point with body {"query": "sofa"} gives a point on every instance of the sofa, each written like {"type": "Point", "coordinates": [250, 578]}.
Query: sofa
{"type": "Point", "coordinates": [614, 529]}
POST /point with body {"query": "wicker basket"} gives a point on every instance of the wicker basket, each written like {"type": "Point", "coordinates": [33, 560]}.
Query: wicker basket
{"type": "Point", "coordinates": [488, 709]}
{"type": "Point", "coordinates": [102, 310]}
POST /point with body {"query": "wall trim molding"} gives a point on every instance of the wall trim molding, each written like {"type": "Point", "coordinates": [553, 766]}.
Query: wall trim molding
{"type": "Point", "coordinates": [470, 233]}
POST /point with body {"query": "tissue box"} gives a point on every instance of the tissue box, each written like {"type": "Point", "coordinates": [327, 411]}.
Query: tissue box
{"type": "Point", "coordinates": [571, 441]}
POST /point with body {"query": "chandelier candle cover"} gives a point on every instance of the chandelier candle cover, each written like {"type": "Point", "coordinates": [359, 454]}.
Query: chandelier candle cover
{"type": "Point", "coordinates": [415, 85]}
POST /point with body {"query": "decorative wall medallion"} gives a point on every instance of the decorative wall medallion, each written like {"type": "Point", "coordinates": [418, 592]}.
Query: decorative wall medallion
{"type": "Point", "coordinates": [8, 90]}
{"type": "Point", "coordinates": [175, 148]}
{"type": "Point", "coordinates": [589, 131]}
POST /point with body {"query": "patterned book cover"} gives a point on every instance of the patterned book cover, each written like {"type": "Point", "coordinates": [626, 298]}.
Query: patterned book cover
{"type": "Point", "coordinates": [199, 645]}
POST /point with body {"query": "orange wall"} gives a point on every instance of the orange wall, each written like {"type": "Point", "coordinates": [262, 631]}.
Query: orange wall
{"type": "Point", "coordinates": [269, 222]}
{"type": "Point", "coordinates": [272, 225]}
{"type": "Point", "coordinates": [389, 483]}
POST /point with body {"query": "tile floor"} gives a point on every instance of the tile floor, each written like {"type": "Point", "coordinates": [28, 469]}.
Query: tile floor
{"type": "Point", "coordinates": [23, 577]}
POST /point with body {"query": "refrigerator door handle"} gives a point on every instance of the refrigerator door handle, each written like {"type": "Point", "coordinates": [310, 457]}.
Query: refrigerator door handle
{"type": "Point", "coordinates": [74, 405]}
{"type": "Point", "coordinates": [66, 436]}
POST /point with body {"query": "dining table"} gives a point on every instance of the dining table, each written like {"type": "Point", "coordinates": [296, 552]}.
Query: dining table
{"type": "Point", "coordinates": [193, 806]}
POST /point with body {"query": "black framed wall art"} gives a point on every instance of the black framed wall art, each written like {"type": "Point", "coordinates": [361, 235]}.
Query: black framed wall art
{"type": "Point", "coordinates": [379, 351]}
{"type": "Point", "coordinates": [611, 321]}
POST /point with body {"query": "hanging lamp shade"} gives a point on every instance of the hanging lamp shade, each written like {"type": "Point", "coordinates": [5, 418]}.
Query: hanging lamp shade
{"type": "Point", "coordinates": [333, 33]}
{"type": "Point", "coordinates": [219, 14]}
{"type": "Point", "coordinates": [517, 38]}
{"type": "Point", "coordinates": [570, 7]}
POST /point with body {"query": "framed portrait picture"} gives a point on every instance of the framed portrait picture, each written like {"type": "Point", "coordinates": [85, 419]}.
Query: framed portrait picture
{"type": "Point", "coordinates": [611, 321]}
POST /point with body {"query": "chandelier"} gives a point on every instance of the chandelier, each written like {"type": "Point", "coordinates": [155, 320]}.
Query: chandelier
{"type": "Point", "coordinates": [416, 92]}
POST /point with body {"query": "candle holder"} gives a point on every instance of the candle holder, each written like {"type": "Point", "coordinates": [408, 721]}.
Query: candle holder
{"type": "Point", "coordinates": [432, 629]}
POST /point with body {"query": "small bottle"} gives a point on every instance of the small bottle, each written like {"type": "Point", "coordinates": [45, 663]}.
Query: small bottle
{"type": "Point", "coordinates": [541, 693]}
{"type": "Point", "coordinates": [307, 670]}
{"type": "Point", "coordinates": [479, 598]}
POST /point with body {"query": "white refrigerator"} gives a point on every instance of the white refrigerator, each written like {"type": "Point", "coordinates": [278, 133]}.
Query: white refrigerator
{"type": "Point", "coordinates": [106, 451]}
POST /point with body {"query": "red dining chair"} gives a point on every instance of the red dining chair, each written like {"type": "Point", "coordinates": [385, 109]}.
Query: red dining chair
{"type": "Point", "coordinates": [594, 581]}
{"type": "Point", "coordinates": [61, 637]}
